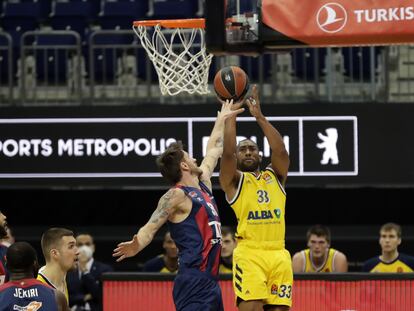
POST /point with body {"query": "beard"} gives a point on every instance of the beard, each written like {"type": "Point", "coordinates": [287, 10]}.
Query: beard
{"type": "Point", "coordinates": [248, 167]}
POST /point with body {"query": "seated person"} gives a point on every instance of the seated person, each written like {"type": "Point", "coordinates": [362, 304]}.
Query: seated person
{"type": "Point", "coordinates": [84, 283]}
{"type": "Point", "coordinates": [390, 260]}
{"type": "Point", "coordinates": [167, 262]}
{"type": "Point", "coordinates": [319, 257]}
{"type": "Point", "coordinates": [228, 245]}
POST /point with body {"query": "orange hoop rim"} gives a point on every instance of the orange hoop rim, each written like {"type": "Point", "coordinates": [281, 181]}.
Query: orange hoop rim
{"type": "Point", "coordinates": [173, 23]}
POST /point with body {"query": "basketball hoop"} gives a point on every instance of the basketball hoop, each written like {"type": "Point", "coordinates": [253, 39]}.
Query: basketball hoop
{"type": "Point", "coordinates": [178, 51]}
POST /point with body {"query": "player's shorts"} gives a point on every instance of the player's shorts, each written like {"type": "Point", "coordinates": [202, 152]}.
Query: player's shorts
{"type": "Point", "coordinates": [262, 273]}
{"type": "Point", "coordinates": [194, 291]}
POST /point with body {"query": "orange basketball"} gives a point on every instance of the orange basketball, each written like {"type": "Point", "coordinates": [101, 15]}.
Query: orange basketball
{"type": "Point", "coordinates": [231, 83]}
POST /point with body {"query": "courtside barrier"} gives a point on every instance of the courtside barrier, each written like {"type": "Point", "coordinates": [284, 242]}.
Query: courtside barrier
{"type": "Point", "coordinates": [311, 292]}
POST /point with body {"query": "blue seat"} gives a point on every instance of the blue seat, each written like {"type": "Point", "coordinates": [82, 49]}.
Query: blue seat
{"type": "Point", "coordinates": [19, 9]}
{"type": "Point", "coordinates": [252, 65]}
{"type": "Point", "coordinates": [51, 66]}
{"type": "Point", "coordinates": [121, 14]}
{"type": "Point", "coordinates": [358, 62]}
{"type": "Point", "coordinates": [175, 9]}
{"type": "Point", "coordinates": [105, 59]}
{"type": "Point", "coordinates": [96, 6]}
{"type": "Point", "coordinates": [74, 23]}
{"type": "Point", "coordinates": [4, 60]}
{"type": "Point", "coordinates": [72, 8]}
{"type": "Point", "coordinates": [309, 63]}
{"type": "Point", "coordinates": [72, 15]}
{"type": "Point", "coordinates": [45, 9]}
{"type": "Point", "coordinates": [105, 65]}
{"type": "Point", "coordinates": [20, 17]}
{"type": "Point", "coordinates": [52, 62]}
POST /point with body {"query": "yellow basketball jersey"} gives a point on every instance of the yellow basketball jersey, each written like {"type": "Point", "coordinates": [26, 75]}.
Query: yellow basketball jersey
{"type": "Point", "coordinates": [42, 278]}
{"type": "Point", "coordinates": [326, 267]}
{"type": "Point", "coordinates": [165, 270]}
{"type": "Point", "coordinates": [259, 205]}
{"type": "Point", "coordinates": [395, 267]}
{"type": "Point", "coordinates": [403, 263]}
{"type": "Point", "coordinates": [225, 270]}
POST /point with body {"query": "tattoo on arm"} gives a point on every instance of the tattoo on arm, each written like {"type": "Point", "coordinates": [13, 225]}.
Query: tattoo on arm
{"type": "Point", "coordinates": [163, 208]}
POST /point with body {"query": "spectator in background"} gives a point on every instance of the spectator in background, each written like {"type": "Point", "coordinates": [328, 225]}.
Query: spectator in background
{"type": "Point", "coordinates": [390, 259]}
{"type": "Point", "coordinates": [228, 245]}
{"type": "Point", "coordinates": [3, 248]}
{"type": "Point", "coordinates": [24, 292]}
{"type": "Point", "coordinates": [319, 257]}
{"type": "Point", "coordinates": [167, 262]}
{"type": "Point", "coordinates": [84, 283]}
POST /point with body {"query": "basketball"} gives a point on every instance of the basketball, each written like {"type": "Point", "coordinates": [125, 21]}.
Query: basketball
{"type": "Point", "coordinates": [231, 83]}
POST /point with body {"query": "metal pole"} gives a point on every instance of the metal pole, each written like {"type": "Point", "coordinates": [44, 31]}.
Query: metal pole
{"type": "Point", "coordinates": [329, 75]}
{"type": "Point", "coordinates": [372, 73]}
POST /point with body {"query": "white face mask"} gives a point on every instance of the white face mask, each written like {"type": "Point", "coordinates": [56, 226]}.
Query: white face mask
{"type": "Point", "coordinates": [86, 251]}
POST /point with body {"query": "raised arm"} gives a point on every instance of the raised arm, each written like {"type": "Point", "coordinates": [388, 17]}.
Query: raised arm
{"type": "Point", "coordinates": [215, 142]}
{"type": "Point", "coordinates": [280, 157]}
{"type": "Point", "coordinates": [229, 175]}
{"type": "Point", "coordinates": [167, 205]}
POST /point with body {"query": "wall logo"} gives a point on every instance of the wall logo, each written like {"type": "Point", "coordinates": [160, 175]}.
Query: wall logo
{"type": "Point", "coordinates": [331, 17]}
{"type": "Point", "coordinates": [328, 144]}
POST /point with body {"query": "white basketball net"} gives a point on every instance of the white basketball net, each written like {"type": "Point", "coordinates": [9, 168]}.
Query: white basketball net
{"type": "Point", "coordinates": [182, 64]}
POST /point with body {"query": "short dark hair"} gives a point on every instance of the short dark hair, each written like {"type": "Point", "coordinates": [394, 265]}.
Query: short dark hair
{"type": "Point", "coordinates": [247, 139]}
{"type": "Point", "coordinates": [320, 231]}
{"type": "Point", "coordinates": [392, 226]}
{"type": "Point", "coordinates": [225, 230]}
{"type": "Point", "coordinates": [169, 162]}
{"type": "Point", "coordinates": [51, 238]}
{"type": "Point", "coordinates": [21, 257]}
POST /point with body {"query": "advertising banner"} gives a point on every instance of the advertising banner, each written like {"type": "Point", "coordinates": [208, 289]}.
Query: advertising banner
{"type": "Point", "coordinates": [356, 292]}
{"type": "Point", "coordinates": [340, 23]}
{"type": "Point", "coordinates": [118, 147]}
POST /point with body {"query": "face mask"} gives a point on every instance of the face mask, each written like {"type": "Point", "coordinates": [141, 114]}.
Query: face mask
{"type": "Point", "coordinates": [86, 251]}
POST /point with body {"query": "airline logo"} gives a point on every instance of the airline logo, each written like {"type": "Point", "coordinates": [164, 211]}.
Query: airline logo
{"type": "Point", "coordinates": [331, 17]}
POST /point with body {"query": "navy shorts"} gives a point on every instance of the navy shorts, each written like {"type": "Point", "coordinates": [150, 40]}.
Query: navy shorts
{"type": "Point", "coordinates": [194, 291]}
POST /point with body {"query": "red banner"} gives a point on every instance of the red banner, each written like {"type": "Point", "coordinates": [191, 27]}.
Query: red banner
{"type": "Point", "coordinates": [341, 22]}
{"type": "Point", "coordinates": [308, 295]}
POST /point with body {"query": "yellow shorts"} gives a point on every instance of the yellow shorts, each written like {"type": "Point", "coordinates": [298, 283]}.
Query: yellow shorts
{"type": "Point", "coordinates": [263, 274]}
